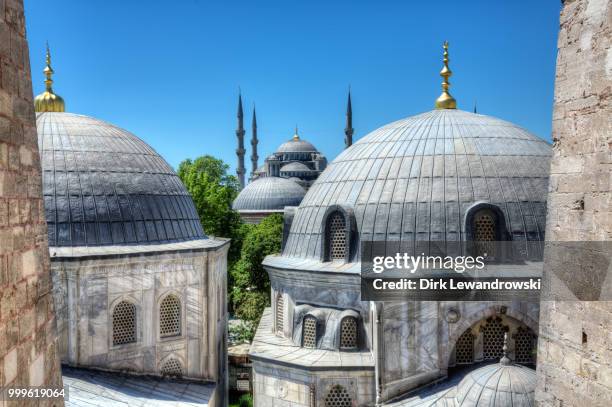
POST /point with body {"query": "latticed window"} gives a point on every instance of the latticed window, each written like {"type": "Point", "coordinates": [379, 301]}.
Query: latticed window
{"type": "Point", "coordinates": [338, 397]}
{"type": "Point", "coordinates": [485, 231]}
{"type": "Point", "coordinates": [348, 333]}
{"type": "Point", "coordinates": [280, 318]}
{"type": "Point", "coordinates": [309, 332]}
{"type": "Point", "coordinates": [170, 316]}
{"type": "Point", "coordinates": [337, 236]}
{"type": "Point", "coordinates": [493, 338]}
{"type": "Point", "coordinates": [524, 346]}
{"type": "Point", "coordinates": [124, 323]}
{"type": "Point", "coordinates": [464, 349]}
{"type": "Point", "coordinates": [172, 367]}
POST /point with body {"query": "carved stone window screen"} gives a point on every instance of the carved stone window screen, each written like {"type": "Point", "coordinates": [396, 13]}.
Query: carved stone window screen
{"type": "Point", "coordinates": [485, 232]}
{"type": "Point", "coordinates": [309, 332]}
{"type": "Point", "coordinates": [280, 318]}
{"type": "Point", "coordinates": [348, 333]}
{"type": "Point", "coordinates": [338, 396]}
{"type": "Point", "coordinates": [124, 323]}
{"type": "Point", "coordinates": [493, 338]}
{"type": "Point", "coordinates": [170, 316]}
{"type": "Point", "coordinates": [464, 349]}
{"type": "Point", "coordinates": [172, 367]}
{"type": "Point", "coordinates": [524, 346]}
{"type": "Point", "coordinates": [337, 236]}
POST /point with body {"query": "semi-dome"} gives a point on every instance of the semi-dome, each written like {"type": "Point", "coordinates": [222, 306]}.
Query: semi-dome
{"type": "Point", "coordinates": [102, 185]}
{"type": "Point", "coordinates": [415, 179]}
{"type": "Point", "coordinates": [295, 166]}
{"type": "Point", "coordinates": [296, 145]}
{"type": "Point", "coordinates": [269, 193]}
{"type": "Point", "coordinates": [497, 385]}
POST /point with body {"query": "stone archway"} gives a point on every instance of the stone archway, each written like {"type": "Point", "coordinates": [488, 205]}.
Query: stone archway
{"type": "Point", "coordinates": [511, 317]}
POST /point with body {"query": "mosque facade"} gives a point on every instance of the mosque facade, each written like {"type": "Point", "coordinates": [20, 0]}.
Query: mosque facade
{"type": "Point", "coordinates": [138, 287]}
{"type": "Point", "coordinates": [445, 175]}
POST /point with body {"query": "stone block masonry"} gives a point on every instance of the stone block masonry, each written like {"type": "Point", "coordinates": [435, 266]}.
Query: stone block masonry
{"type": "Point", "coordinates": [574, 351]}
{"type": "Point", "coordinates": [28, 354]}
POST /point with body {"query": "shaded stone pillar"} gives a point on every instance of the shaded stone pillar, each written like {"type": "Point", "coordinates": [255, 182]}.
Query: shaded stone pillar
{"type": "Point", "coordinates": [28, 350]}
{"type": "Point", "coordinates": [574, 354]}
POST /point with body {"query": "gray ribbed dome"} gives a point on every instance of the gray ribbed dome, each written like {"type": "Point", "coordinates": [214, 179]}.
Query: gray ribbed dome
{"type": "Point", "coordinates": [414, 180]}
{"type": "Point", "coordinates": [295, 167]}
{"type": "Point", "coordinates": [497, 385]}
{"type": "Point", "coordinates": [296, 145]}
{"type": "Point", "coordinates": [104, 186]}
{"type": "Point", "coordinates": [269, 193]}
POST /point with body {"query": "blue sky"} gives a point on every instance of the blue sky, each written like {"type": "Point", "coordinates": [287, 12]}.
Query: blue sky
{"type": "Point", "coordinates": [170, 71]}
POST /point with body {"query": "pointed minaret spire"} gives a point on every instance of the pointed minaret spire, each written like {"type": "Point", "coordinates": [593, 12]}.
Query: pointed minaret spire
{"type": "Point", "coordinates": [240, 150]}
{"type": "Point", "coordinates": [254, 141]}
{"type": "Point", "coordinates": [445, 100]}
{"type": "Point", "coordinates": [348, 130]}
{"type": "Point", "coordinates": [475, 110]}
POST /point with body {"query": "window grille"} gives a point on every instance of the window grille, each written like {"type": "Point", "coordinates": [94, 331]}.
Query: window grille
{"type": "Point", "coordinates": [524, 346]}
{"type": "Point", "coordinates": [493, 338]}
{"type": "Point", "coordinates": [309, 332]}
{"type": "Point", "coordinates": [348, 333]}
{"type": "Point", "coordinates": [338, 397]}
{"type": "Point", "coordinates": [485, 232]}
{"type": "Point", "coordinates": [280, 318]}
{"type": "Point", "coordinates": [172, 367]}
{"type": "Point", "coordinates": [170, 316]}
{"type": "Point", "coordinates": [124, 323]}
{"type": "Point", "coordinates": [337, 236]}
{"type": "Point", "coordinates": [464, 349]}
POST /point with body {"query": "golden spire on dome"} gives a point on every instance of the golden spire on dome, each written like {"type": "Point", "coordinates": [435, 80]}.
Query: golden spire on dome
{"type": "Point", "coordinates": [48, 101]}
{"type": "Point", "coordinates": [296, 136]}
{"type": "Point", "coordinates": [445, 100]}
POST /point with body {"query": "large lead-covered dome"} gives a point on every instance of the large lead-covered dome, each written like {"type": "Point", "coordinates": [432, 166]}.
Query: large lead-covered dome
{"type": "Point", "coordinates": [102, 185]}
{"type": "Point", "coordinates": [416, 178]}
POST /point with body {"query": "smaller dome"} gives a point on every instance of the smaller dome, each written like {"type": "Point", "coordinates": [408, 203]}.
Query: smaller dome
{"type": "Point", "coordinates": [497, 385]}
{"type": "Point", "coordinates": [296, 145]}
{"type": "Point", "coordinates": [269, 193]}
{"type": "Point", "coordinates": [295, 166]}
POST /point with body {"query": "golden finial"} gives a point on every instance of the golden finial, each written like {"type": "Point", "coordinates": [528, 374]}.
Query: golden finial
{"type": "Point", "coordinates": [296, 136]}
{"type": "Point", "coordinates": [48, 101]}
{"type": "Point", "coordinates": [445, 100]}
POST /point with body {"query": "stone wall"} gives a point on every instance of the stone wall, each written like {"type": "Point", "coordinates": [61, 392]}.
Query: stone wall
{"type": "Point", "coordinates": [28, 355]}
{"type": "Point", "coordinates": [574, 354]}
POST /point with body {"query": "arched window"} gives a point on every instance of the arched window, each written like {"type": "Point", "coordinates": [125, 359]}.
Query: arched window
{"type": "Point", "coordinates": [124, 323]}
{"type": "Point", "coordinates": [338, 397]}
{"type": "Point", "coordinates": [493, 338]}
{"type": "Point", "coordinates": [170, 316]}
{"type": "Point", "coordinates": [464, 349]}
{"type": "Point", "coordinates": [336, 236]}
{"type": "Point", "coordinates": [524, 346]}
{"type": "Point", "coordinates": [280, 318]}
{"type": "Point", "coordinates": [485, 232]}
{"type": "Point", "coordinates": [172, 367]}
{"type": "Point", "coordinates": [348, 333]}
{"type": "Point", "coordinates": [309, 332]}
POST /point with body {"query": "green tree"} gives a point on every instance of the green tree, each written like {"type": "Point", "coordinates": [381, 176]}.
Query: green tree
{"type": "Point", "coordinates": [213, 190]}
{"type": "Point", "coordinates": [251, 289]}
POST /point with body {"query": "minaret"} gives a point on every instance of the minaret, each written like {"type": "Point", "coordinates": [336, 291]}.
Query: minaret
{"type": "Point", "coordinates": [348, 131]}
{"type": "Point", "coordinates": [240, 150]}
{"type": "Point", "coordinates": [254, 141]}
{"type": "Point", "coordinates": [48, 101]}
{"type": "Point", "coordinates": [445, 100]}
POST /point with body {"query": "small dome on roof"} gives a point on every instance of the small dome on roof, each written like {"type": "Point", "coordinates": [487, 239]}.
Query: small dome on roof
{"type": "Point", "coordinates": [269, 193]}
{"type": "Point", "coordinates": [295, 166]}
{"type": "Point", "coordinates": [497, 385]}
{"type": "Point", "coordinates": [296, 145]}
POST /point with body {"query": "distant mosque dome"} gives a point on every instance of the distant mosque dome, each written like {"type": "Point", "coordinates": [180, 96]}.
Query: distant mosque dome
{"type": "Point", "coordinates": [296, 145]}
{"type": "Point", "coordinates": [48, 101]}
{"type": "Point", "coordinates": [294, 167]}
{"type": "Point", "coordinates": [269, 193]}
